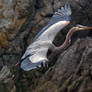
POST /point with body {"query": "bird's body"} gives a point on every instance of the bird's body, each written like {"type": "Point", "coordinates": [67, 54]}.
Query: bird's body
{"type": "Point", "coordinates": [36, 53]}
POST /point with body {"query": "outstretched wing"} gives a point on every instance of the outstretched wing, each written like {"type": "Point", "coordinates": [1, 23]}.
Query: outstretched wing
{"type": "Point", "coordinates": [35, 54]}
{"type": "Point", "coordinates": [36, 47]}
{"type": "Point", "coordinates": [35, 60]}
{"type": "Point", "coordinates": [63, 14]}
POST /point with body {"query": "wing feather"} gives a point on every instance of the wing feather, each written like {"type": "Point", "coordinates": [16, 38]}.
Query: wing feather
{"type": "Point", "coordinates": [63, 14]}
{"type": "Point", "coordinates": [27, 65]}
{"type": "Point", "coordinates": [37, 51]}
{"type": "Point", "coordinates": [36, 48]}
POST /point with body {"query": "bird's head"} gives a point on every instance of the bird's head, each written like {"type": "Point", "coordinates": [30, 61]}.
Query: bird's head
{"type": "Point", "coordinates": [77, 28]}
{"type": "Point", "coordinates": [81, 27]}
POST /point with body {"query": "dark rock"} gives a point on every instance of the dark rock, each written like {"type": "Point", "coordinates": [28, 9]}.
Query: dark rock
{"type": "Point", "coordinates": [72, 71]}
{"type": "Point", "coordinates": [20, 21]}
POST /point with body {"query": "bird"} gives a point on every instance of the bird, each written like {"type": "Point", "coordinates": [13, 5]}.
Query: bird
{"type": "Point", "coordinates": [38, 52]}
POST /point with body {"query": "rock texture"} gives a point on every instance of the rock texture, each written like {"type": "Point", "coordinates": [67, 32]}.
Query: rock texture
{"type": "Point", "coordinates": [72, 72]}
{"type": "Point", "coordinates": [20, 21]}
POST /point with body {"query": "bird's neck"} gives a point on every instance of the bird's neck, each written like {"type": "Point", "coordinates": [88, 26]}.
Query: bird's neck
{"type": "Point", "coordinates": [66, 43]}
{"type": "Point", "coordinates": [67, 40]}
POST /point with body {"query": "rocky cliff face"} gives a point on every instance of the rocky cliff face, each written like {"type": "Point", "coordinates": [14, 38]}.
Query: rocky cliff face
{"type": "Point", "coordinates": [20, 21]}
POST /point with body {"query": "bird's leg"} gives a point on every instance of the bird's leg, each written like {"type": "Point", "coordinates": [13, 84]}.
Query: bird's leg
{"type": "Point", "coordinates": [18, 63]}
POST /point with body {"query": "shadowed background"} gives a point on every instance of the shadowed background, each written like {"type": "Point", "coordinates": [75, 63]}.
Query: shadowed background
{"type": "Point", "coordinates": [20, 21]}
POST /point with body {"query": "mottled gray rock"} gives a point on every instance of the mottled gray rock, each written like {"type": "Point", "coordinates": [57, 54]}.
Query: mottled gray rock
{"type": "Point", "coordinates": [20, 21]}
{"type": "Point", "coordinates": [4, 73]}
{"type": "Point", "coordinates": [72, 71]}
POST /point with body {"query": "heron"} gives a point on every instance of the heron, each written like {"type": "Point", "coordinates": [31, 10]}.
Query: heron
{"type": "Point", "coordinates": [36, 53]}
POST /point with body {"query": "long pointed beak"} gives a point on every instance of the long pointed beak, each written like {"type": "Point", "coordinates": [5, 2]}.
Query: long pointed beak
{"type": "Point", "coordinates": [85, 28]}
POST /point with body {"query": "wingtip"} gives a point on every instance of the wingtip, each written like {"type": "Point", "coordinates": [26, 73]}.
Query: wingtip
{"type": "Point", "coordinates": [65, 10]}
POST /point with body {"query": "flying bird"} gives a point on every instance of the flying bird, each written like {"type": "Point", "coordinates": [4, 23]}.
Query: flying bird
{"type": "Point", "coordinates": [36, 53]}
